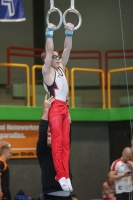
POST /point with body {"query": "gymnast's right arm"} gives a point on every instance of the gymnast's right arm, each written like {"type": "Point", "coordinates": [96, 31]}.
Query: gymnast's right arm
{"type": "Point", "coordinates": [43, 127]}
{"type": "Point", "coordinates": [49, 47]}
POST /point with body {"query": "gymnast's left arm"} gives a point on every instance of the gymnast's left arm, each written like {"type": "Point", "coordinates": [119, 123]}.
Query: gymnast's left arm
{"type": "Point", "coordinates": [67, 44]}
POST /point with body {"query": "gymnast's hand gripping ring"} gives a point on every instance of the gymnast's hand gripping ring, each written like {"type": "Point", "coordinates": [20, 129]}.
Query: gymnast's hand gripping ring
{"type": "Point", "coordinates": [72, 9]}
{"type": "Point", "coordinates": [54, 9]}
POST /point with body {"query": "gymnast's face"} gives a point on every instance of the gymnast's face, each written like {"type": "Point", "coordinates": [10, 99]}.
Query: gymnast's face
{"type": "Point", "coordinates": [55, 60]}
{"type": "Point", "coordinates": [49, 139]}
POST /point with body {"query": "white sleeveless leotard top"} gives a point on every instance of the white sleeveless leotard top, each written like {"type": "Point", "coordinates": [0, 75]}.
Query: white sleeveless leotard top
{"type": "Point", "coordinates": [59, 88]}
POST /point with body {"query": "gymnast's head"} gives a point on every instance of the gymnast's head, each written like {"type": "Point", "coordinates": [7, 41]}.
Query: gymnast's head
{"type": "Point", "coordinates": [55, 62]}
{"type": "Point", "coordinates": [126, 154]}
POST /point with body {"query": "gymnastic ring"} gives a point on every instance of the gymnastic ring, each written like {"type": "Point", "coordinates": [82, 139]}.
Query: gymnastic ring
{"type": "Point", "coordinates": [54, 9]}
{"type": "Point", "coordinates": [76, 12]}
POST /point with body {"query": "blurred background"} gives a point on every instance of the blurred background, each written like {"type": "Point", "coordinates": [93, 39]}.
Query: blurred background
{"type": "Point", "coordinates": [100, 31]}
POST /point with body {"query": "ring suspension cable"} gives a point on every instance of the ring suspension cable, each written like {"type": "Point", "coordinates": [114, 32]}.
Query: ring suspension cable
{"type": "Point", "coordinates": [125, 65]}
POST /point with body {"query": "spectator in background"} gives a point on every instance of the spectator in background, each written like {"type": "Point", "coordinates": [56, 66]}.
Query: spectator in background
{"type": "Point", "coordinates": [121, 173]}
{"type": "Point", "coordinates": [108, 188]}
{"type": "Point", "coordinates": [5, 154]}
{"type": "Point", "coordinates": [74, 197]}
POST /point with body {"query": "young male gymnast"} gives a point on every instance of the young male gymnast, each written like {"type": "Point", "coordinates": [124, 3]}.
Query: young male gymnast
{"type": "Point", "coordinates": [55, 84]}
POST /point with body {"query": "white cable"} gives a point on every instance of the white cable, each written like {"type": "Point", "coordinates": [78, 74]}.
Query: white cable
{"type": "Point", "coordinates": [125, 64]}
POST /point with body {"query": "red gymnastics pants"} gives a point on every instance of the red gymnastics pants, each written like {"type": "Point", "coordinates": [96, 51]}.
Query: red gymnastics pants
{"type": "Point", "coordinates": [60, 130]}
